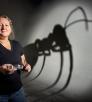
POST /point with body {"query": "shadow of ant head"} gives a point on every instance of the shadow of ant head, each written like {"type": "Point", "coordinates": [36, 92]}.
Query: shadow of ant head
{"type": "Point", "coordinates": [58, 29]}
{"type": "Point", "coordinates": [59, 34]}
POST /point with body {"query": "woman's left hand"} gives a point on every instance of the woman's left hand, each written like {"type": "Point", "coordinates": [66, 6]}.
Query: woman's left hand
{"type": "Point", "coordinates": [27, 67]}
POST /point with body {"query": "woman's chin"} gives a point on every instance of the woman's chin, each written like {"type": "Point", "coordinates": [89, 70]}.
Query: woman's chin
{"type": "Point", "coordinates": [3, 35]}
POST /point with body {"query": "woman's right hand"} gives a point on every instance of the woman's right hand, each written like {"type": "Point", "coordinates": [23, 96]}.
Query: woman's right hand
{"type": "Point", "coordinates": [7, 69]}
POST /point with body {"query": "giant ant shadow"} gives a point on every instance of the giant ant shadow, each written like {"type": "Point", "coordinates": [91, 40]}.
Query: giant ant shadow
{"type": "Point", "coordinates": [57, 41]}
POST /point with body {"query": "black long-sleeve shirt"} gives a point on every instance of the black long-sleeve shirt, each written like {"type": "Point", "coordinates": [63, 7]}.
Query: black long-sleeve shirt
{"type": "Point", "coordinates": [10, 83]}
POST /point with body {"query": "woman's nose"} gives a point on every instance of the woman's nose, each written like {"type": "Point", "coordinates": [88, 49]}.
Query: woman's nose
{"type": "Point", "coordinates": [3, 27]}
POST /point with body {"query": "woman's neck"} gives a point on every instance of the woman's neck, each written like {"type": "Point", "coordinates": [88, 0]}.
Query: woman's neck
{"type": "Point", "coordinates": [4, 40]}
{"type": "Point", "coordinates": [6, 43]}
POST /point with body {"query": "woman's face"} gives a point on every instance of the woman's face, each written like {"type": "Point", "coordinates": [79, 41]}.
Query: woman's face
{"type": "Point", "coordinates": [5, 28]}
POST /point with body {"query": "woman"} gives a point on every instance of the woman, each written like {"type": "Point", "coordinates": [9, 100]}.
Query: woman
{"type": "Point", "coordinates": [11, 54]}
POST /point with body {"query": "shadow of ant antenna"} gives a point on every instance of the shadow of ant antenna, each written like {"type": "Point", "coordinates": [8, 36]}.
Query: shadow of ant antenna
{"type": "Point", "coordinates": [85, 18]}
